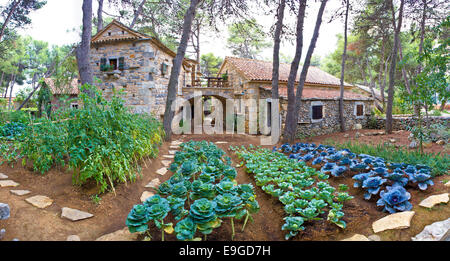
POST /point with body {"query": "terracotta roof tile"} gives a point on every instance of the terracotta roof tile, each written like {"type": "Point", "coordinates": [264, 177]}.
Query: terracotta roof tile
{"type": "Point", "coordinates": [69, 90]}
{"type": "Point", "coordinates": [258, 70]}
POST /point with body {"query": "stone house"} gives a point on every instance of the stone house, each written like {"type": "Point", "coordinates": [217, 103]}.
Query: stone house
{"type": "Point", "coordinates": [319, 112]}
{"type": "Point", "coordinates": [66, 95]}
{"type": "Point", "coordinates": [138, 64]}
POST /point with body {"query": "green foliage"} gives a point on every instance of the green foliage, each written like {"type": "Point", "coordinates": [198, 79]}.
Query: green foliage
{"type": "Point", "coordinates": [101, 141]}
{"type": "Point", "coordinates": [203, 191]}
{"type": "Point", "coordinates": [304, 192]}
{"type": "Point", "coordinates": [247, 39]}
{"type": "Point", "coordinates": [210, 64]}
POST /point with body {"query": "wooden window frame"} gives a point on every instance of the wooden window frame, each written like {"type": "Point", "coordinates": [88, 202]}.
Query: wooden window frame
{"type": "Point", "coordinates": [315, 104]}
{"type": "Point", "coordinates": [355, 110]}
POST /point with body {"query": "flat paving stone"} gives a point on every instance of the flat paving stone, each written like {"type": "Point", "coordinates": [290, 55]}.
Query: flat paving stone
{"type": "Point", "coordinates": [356, 237]}
{"type": "Point", "coordinates": [119, 235]}
{"type": "Point", "coordinates": [162, 171]}
{"type": "Point", "coordinates": [73, 238]}
{"type": "Point", "coordinates": [145, 195]}
{"type": "Point", "coordinates": [3, 176]}
{"type": "Point", "coordinates": [174, 147]}
{"type": "Point", "coordinates": [40, 201]}
{"type": "Point", "coordinates": [166, 163]}
{"type": "Point", "coordinates": [394, 221]}
{"type": "Point", "coordinates": [8, 183]}
{"type": "Point", "coordinates": [221, 142]}
{"type": "Point", "coordinates": [438, 231]}
{"type": "Point", "coordinates": [74, 214]}
{"type": "Point", "coordinates": [176, 142]}
{"type": "Point", "coordinates": [433, 200]}
{"type": "Point", "coordinates": [172, 152]}
{"type": "Point", "coordinates": [153, 184]}
{"type": "Point", "coordinates": [20, 192]}
{"type": "Point", "coordinates": [168, 156]}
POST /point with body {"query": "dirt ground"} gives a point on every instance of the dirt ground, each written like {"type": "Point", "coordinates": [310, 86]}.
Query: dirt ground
{"type": "Point", "coordinates": [29, 223]}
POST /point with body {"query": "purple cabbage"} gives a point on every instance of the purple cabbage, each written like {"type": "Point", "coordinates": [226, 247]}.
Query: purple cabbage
{"type": "Point", "coordinates": [394, 199]}
{"type": "Point", "coordinates": [373, 186]}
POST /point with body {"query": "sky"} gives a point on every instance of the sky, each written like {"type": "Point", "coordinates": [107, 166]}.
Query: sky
{"type": "Point", "coordinates": [59, 23]}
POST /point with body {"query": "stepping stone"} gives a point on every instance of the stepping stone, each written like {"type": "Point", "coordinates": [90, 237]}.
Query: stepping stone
{"type": "Point", "coordinates": [166, 163]}
{"type": "Point", "coordinates": [3, 176]}
{"type": "Point", "coordinates": [153, 184]}
{"type": "Point", "coordinates": [433, 200]}
{"type": "Point", "coordinates": [74, 214]}
{"type": "Point", "coordinates": [356, 237]}
{"type": "Point", "coordinates": [447, 184]}
{"type": "Point", "coordinates": [168, 156]}
{"type": "Point", "coordinates": [438, 231]}
{"type": "Point", "coordinates": [4, 211]}
{"type": "Point", "coordinates": [172, 152]}
{"type": "Point", "coordinates": [8, 183]}
{"type": "Point", "coordinates": [120, 235]}
{"type": "Point", "coordinates": [73, 238]}
{"type": "Point", "coordinates": [221, 142]}
{"type": "Point", "coordinates": [40, 201]}
{"type": "Point", "coordinates": [162, 171]}
{"type": "Point", "coordinates": [145, 195]}
{"type": "Point", "coordinates": [20, 192]}
{"type": "Point", "coordinates": [176, 142]}
{"type": "Point", "coordinates": [374, 238]}
{"type": "Point", "coordinates": [175, 147]}
{"type": "Point", "coordinates": [394, 221]}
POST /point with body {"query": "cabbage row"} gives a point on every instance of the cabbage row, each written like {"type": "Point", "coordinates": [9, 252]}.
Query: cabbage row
{"type": "Point", "coordinates": [304, 192]}
{"type": "Point", "coordinates": [374, 173]}
{"type": "Point", "coordinates": [201, 193]}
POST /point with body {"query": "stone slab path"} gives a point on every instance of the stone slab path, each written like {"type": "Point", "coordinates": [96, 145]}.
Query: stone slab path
{"type": "Point", "coordinates": [433, 200]}
{"type": "Point", "coordinates": [8, 183]}
{"type": "Point", "coordinates": [74, 214]}
{"type": "Point", "coordinates": [394, 221]}
{"type": "Point", "coordinates": [20, 192]}
{"type": "Point", "coordinates": [39, 201]}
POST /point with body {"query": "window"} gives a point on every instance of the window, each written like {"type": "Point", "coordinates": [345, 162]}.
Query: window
{"type": "Point", "coordinates": [316, 111]}
{"type": "Point", "coordinates": [359, 110]}
{"type": "Point", "coordinates": [74, 105]}
{"type": "Point", "coordinates": [164, 69]}
{"type": "Point", "coordinates": [113, 64]}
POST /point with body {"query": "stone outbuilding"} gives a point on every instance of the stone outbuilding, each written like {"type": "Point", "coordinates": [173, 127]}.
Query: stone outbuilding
{"type": "Point", "coordinates": [319, 112]}
{"type": "Point", "coordinates": [138, 64]}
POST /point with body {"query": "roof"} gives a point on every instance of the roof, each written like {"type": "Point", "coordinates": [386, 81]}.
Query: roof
{"type": "Point", "coordinates": [369, 90]}
{"type": "Point", "coordinates": [320, 93]}
{"type": "Point", "coordinates": [71, 89]}
{"type": "Point", "coordinates": [131, 35]}
{"type": "Point", "coordinates": [259, 70]}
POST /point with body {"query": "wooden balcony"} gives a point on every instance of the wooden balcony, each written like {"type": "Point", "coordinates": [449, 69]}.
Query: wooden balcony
{"type": "Point", "coordinates": [210, 82]}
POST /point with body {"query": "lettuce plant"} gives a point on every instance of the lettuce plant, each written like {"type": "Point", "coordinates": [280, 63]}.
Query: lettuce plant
{"type": "Point", "coordinates": [394, 199]}
{"type": "Point", "coordinates": [334, 216]}
{"type": "Point", "coordinates": [373, 186]}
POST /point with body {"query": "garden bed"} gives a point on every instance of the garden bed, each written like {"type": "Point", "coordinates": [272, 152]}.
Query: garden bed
{"type": "Point", "coordinates": [29, 223]}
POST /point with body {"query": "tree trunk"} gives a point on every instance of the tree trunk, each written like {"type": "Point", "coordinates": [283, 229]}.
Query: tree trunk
{"type": "Point", "coordinates": [13, 81]}
{"type": "Point", "coordinates": [177, 62]}
{"type": "Point", "coordinates": [381, 71]}
{"type": "Point", "coordinates": [344, 56]}
{"type": "Point", "coordinates": [84, 50]}
{"type": "Point", "coordinates": [393, 65]}
{"type": "Point", "coordinates": [100, 16]}
{"type": "Point", "coordinates": [305, 67]}
{"type": "Point", "coordinates": [15, 4]}
{"type": "Point", "coordinates": [1, 82]}
{"type": "Point", "coordinates": [7, 87]}
{"type": "Point", "coordinates": [276, 50]}
{"type": "Point", "coordinates": [137, 13]}
{"type": "Point", "coordinates": [289, 121]}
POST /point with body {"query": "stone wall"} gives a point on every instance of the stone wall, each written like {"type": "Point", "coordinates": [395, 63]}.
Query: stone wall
{"type": "Point", "coordinates": [400, 123]}
{"type": "Point", "coordinates": [330, 121]}
{"type": "Point", "coordinates": [144, 85]}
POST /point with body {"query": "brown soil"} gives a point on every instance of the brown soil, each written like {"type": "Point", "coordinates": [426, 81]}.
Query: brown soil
{"type": "Point", "coordinates": [29, 223]}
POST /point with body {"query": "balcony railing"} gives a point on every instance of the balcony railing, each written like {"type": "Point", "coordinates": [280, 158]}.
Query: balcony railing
{"type": "Point", "coordinates": [210, 82]}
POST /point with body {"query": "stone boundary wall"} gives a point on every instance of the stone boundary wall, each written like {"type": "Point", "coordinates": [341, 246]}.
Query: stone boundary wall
{"type": "Point", "coordinates": [399, 123]}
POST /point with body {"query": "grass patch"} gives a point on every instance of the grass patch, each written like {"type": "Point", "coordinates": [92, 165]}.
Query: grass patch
{"type": "Point", "coordinates": [439, 163]}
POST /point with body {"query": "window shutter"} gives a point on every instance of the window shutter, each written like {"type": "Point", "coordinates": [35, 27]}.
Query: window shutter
{"type": "Point", "coordinates": [121, 63]}
{"type": "Point", "coordinates": [317, 112]}
{"type": "Point", "coordinates": [102, 63]}
{"type": "Point", "coordinates": [359, 110]}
